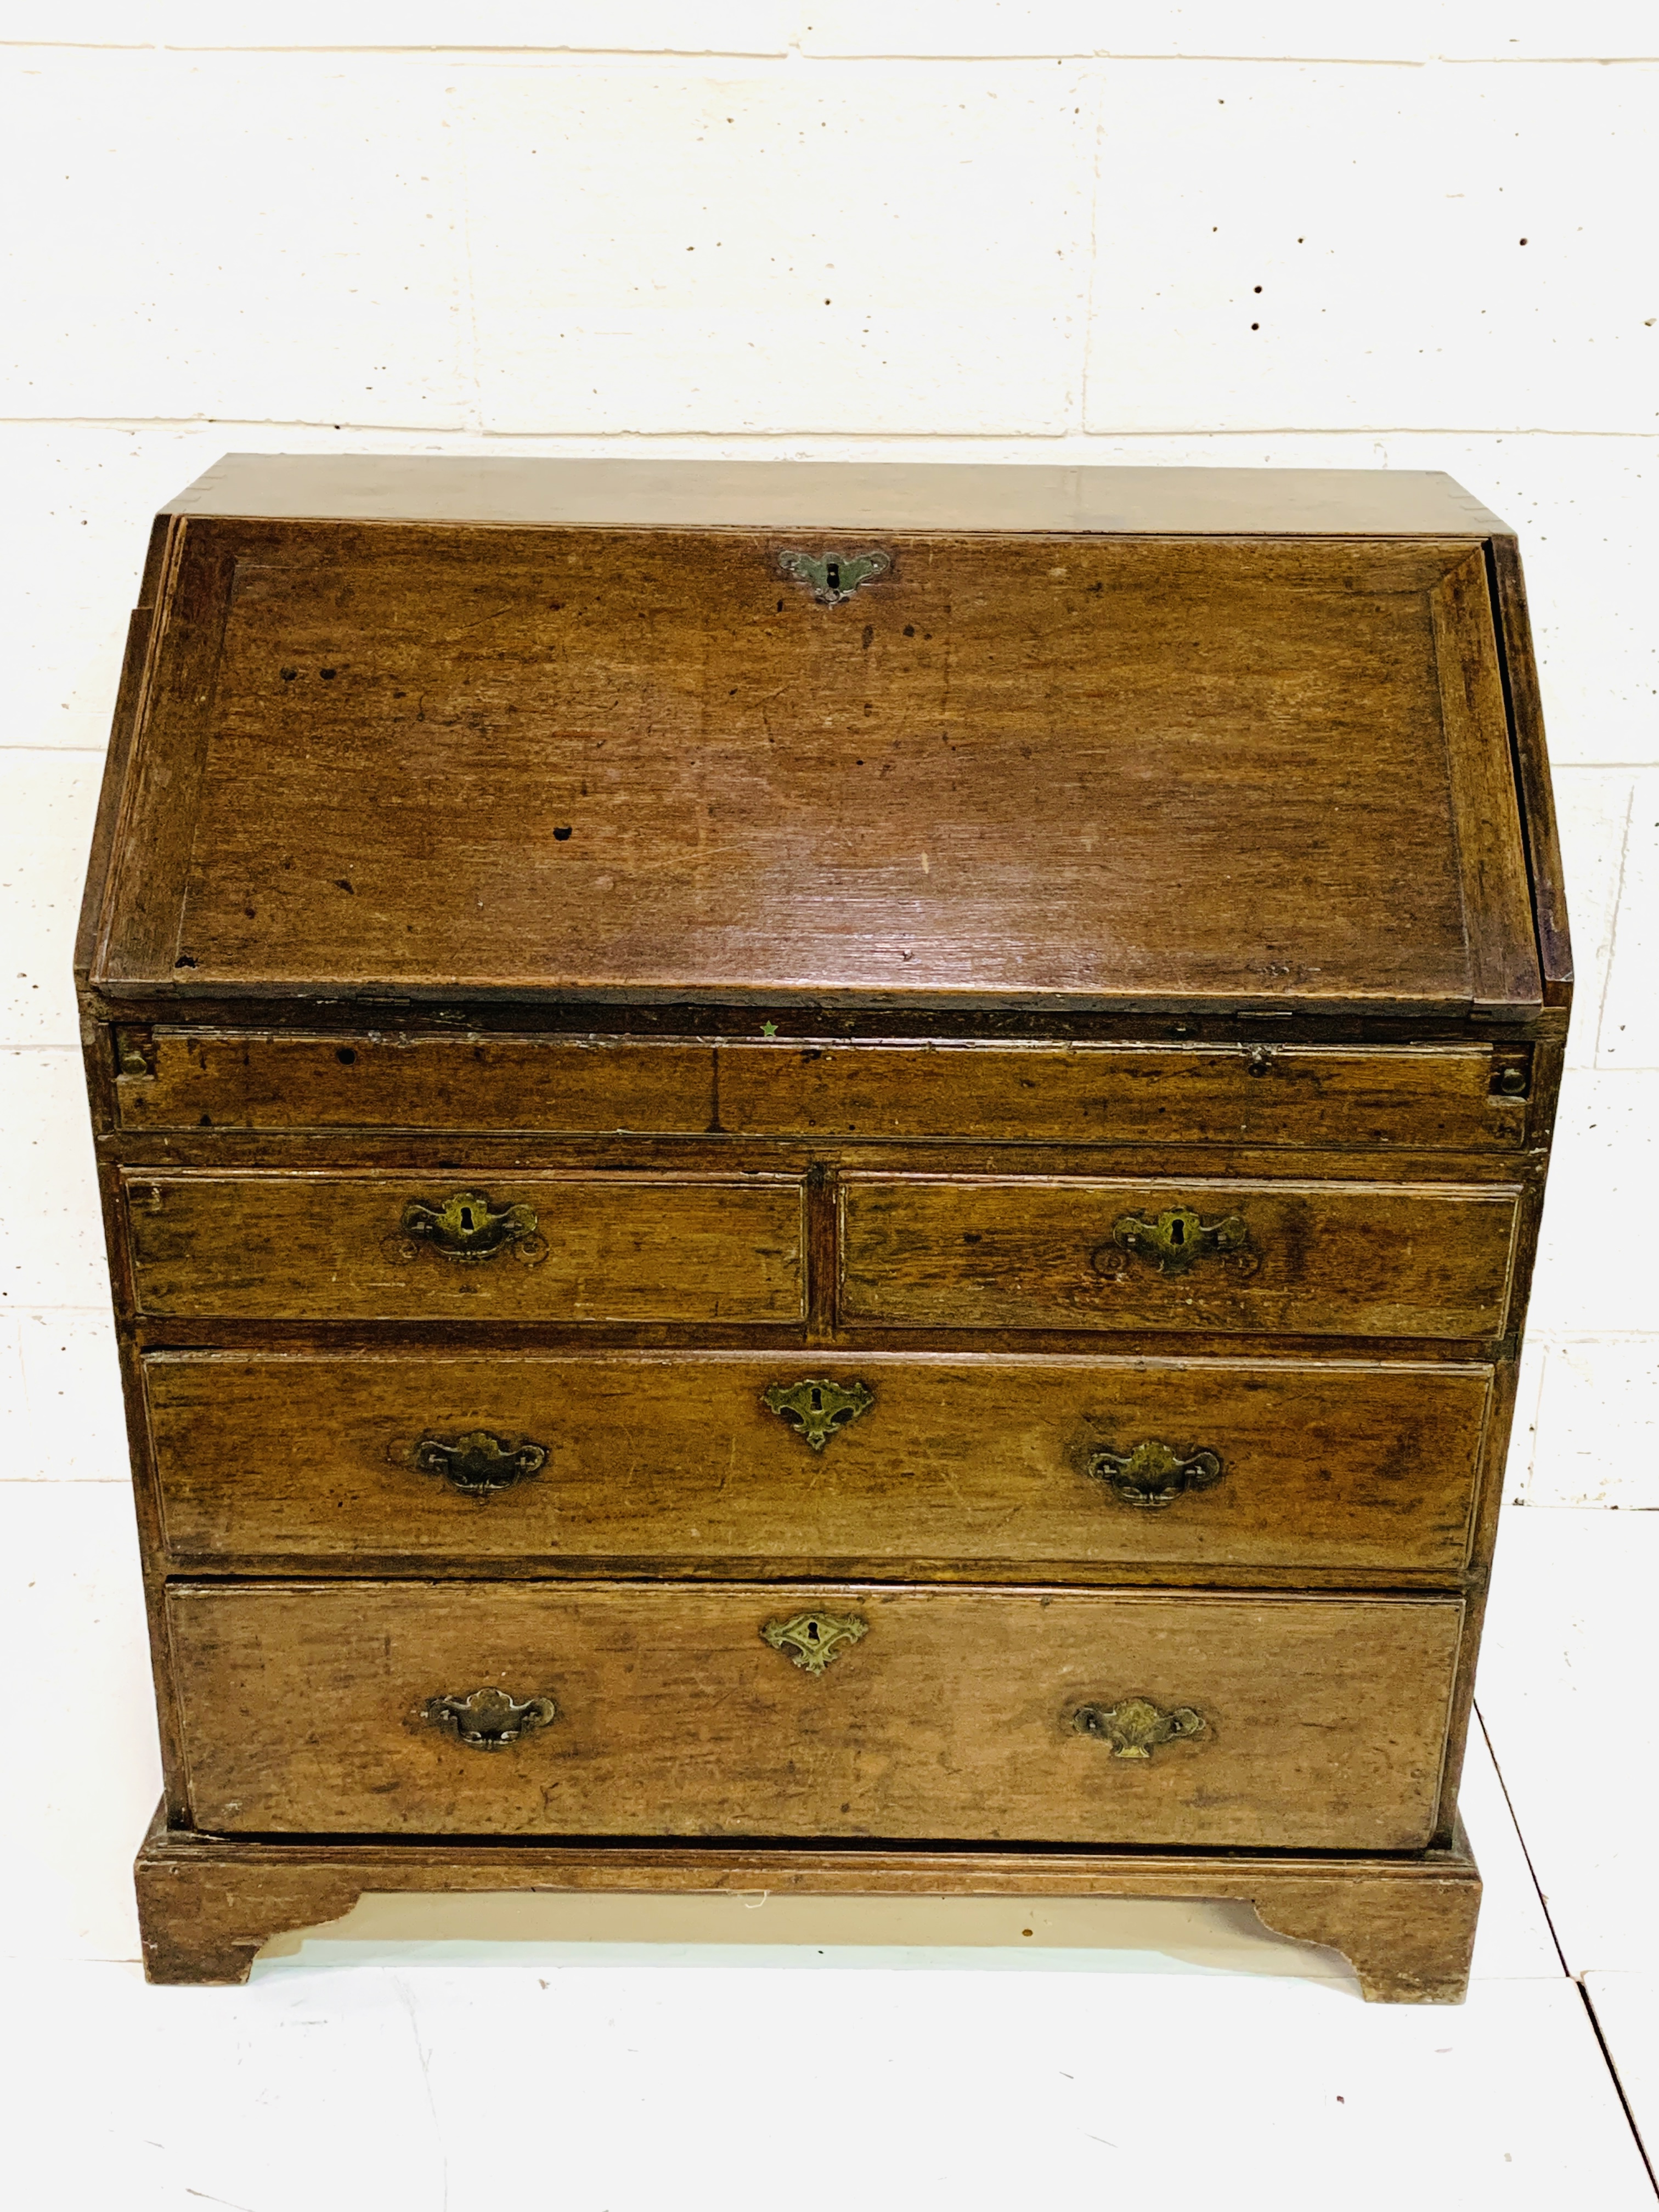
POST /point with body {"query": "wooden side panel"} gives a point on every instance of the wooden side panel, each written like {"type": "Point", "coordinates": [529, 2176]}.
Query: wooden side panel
{"type": "Point", "coordinates": [332, 1247]}
{"type": "Point", "coordinates": [978, 1463]}
{"type": "Point", "coordinates": [1439, 1097]}
{"type": "Point", "coordinates": [134, 665]}
{"type": "Point", "coordinates": [162, 798]}
{"type": "Point", "coordinates": [1323, 1719]}
{"type": "Point", "coordinates": [1532, 763]}
{"type": "Point", "coordinates": [1497, 908]}
{"type": "Point", "coordinates": [1311, 1259]}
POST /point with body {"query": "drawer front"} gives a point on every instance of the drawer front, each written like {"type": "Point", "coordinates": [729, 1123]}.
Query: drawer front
{"type": "Point", "coordinates": [420, 1247]}
{"type": "Point", "coordinates": [1431, 1097]}
{"type": "Point", "coordinates": [1310, 1259]}
{"type": "Point", "coordinates": [1037, 1469]}
{"type": "Point", "coordinates": [1079, 1718]}
{"type": "Point", "coordinates": [235, 1079]}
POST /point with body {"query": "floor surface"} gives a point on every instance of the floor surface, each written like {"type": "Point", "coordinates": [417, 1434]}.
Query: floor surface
{"type": "Point", "coordinates": [607, 2056]}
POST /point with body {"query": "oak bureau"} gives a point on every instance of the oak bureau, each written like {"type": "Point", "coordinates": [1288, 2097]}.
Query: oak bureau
{"type": "Point", "coordinates": [821, 1178]}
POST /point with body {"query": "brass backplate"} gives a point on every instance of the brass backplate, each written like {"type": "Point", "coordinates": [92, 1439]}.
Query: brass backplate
{"type": "Point", "coordinates": [480, 1462]}
{"type": "Point", "coordinates": [1135, 1727]}
{"type": "Point", "coordinates": [1152, 1476]}
{"type": "Point", "coordinates": [490, 1720]}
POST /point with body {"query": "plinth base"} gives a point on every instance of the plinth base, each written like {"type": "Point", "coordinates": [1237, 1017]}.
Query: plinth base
{"type": "Point", "coordinates": [206, 1904]}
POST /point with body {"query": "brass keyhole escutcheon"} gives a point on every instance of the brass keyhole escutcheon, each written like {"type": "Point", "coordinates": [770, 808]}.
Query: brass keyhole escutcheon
{"type": "Point", "coordinates": [816, 1408]}
{"type": "Point", "coordinates": [1176, 1240]}
{"type": "Point", "coordinates": [467, 1228]}
{"type": "Point", "coordinates": [812, 1640]}
{"type": "Point", "coordinates": [832, 578]}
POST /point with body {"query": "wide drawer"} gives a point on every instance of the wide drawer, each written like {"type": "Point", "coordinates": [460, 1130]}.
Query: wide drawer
{"type": "Point", "coordinates": [1428, 1096]}
{"type": "Point", "coordinates": [1300, 1259]}
{"type": "Point", "coordinates": [1033, 1469]}
{"type": "Point", "coordinates": [416, 1247]}
{"type": "Point", "coordinates": [1301, 1723]}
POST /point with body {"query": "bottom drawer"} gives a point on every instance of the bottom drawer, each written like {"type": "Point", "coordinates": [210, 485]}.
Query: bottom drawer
{"type": "Point", "coordinates": [815, 1710]}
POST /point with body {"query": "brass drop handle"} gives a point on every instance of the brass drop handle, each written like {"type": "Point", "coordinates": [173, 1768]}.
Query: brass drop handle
{"type": "Point", "coordinates": [812, 1640]}
{"type": "Point", "coordinates": [1173, 1240]}
{"type": "Point", "coordinates": [1135, 1727]}
{"type": "Point", "coordinates": [816, 1408]}
{"type": "Point", "coordinates": [1151, 1475]}
{"type": "Point", "coordinates": [465, 1226]}
{"type": "Point", "coordinates": [480, 1462]}
{"type": "Point", "coordinates": [490, 1720]}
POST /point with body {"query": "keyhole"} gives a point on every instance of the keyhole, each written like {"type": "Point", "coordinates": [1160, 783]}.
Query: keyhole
{"type": "Point", "coordinates": [832, 574]}
{"type": "Point", "coordinates": [466, 1217]}
{"type": "Point", "coordinates": [811, 1632]}
{"type": "Point", "coordinates": [1177, 1232]}
{"type": "Point", "coordinates": [817, 1401]}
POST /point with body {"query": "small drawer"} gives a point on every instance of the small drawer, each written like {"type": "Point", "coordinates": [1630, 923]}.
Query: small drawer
{"type": "Point", "coordinates": [419, 1246]}
{"type": "Point", "coordinates": [815, 1710]}
{"type": "Point", "coordinates": [1466, 1098]}
{"type": "Point", "coordinates": [988, 1467]}
{"type": "Point", "coordinates": [1431, 1097]}
{"type": "Point", "coordinates": [180, 1078]}
{"type": "Point", "coordinates": [1296, 1259]}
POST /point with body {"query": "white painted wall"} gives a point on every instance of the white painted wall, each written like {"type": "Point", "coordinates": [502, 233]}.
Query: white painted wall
{"type": "Point", "coordinates": [1421, 236]}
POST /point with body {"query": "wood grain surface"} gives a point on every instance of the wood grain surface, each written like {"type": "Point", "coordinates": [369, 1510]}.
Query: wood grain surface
{"type": "Point", "coordinates": [1324, 1718]}
{"type": "Point", "coordinates": [1440, 1097]}
{"type": "Point", "coordinates": [636, 763]}
{"type": "Point", "coordinates": [675, 1464]}
{"type": "Point", "coordinates": [206, 1904]}
{"type": "Point", "coordinates": [955, 496]}
{"type": "Point", "coordinates": [1267, 1094]}
{"type": "Point", "coordinates": [823, 977]}
{"type": "Point", "coordinates": [1320, 1259]}
{"type": "Point", "coordinates": [330, 1247]}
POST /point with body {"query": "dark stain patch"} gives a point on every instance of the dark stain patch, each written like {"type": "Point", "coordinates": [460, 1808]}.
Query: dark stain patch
{"type": "Point", "coordinates": [563, 833]}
